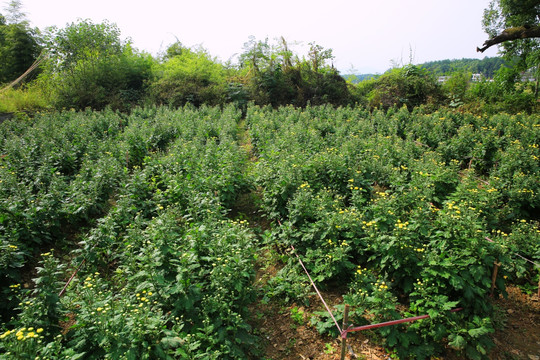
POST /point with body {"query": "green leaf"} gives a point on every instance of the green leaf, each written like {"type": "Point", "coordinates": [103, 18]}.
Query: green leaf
{"type": "Point", "coordinates": [457, 342]}
{"type": "Point", "coordinates": [478, 332]}
{"type": "Point", "coordinates": [172, 342]}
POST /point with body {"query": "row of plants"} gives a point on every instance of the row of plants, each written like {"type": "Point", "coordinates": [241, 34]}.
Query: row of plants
{"type": "Point", "coordinates": [395, 207]}
{"type": "Point", "coordinates": [398, 208]}
{"type": "Point", "coordinates": [144, 198]}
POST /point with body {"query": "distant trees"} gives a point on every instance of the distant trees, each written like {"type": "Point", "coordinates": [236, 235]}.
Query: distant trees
{"type": "Point", "coordinates": [90, 65]}
{"type": "Point", "coordinates": [487, 66]}
{"type": "Point", "coordinates": [19, 45]}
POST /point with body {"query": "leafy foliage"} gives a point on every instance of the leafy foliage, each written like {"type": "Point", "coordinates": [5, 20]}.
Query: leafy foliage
{"type": "Point", "coordinates": [504, 15]}
{"type": "Point", "coordinates": [19, 46]}
{"type": "Point", "coordinates": [188, 76]}
{"type": "Point", "coordinates": [90, 66]}
{"type": "Point", "coordinates": [164, 267]}
{"type": "Point", "coordinates": [397, 207]}
{"type": "Point", "coordinates": [410, 86]}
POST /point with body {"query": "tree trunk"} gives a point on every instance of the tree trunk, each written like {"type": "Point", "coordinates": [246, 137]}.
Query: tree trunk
{"type": "Point", "coordinates": [515, 33]}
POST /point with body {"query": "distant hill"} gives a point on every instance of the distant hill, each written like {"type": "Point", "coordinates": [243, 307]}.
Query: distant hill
{"type": "Point", "coordinates": [355, 79]}
{"type": "Point", "coordinates": [486, 66]}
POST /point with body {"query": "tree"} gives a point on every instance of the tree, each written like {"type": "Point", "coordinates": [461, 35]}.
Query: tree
{"type": "Point", "coordinates": [15, 13]}
{"type": "Point", "coordinates": [83, 41]}
{"type": "Point", "coordinates": [19, 45]}
{"type": "Point", "coordinates": [510, 20]}
{"type": "Point", "coordinates": [90, 66]}
{"type": "Point", "coordinates": [515, 25]}
{"type": "Point", "coordinates": [318, 56]}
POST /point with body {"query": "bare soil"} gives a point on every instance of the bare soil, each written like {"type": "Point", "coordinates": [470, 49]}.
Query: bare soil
{"type": "Point", "coordinates": [285, 337]}
{"type": "Point", "coordinates": [519, 334]}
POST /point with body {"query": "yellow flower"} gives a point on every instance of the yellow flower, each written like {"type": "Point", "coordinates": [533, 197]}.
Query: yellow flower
{"type": "Point", "coordinates": [99, 309]}
{"type": "Point", "coordinates": [39, 331]}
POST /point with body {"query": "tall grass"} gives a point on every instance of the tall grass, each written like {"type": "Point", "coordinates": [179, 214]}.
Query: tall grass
{"type": "Point", "coordinates": [30, 98]}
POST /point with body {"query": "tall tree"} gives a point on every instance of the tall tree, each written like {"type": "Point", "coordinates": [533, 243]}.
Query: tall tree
{"type": "Point", "coordinates": [19, 46]}
{"type": "Point", "coordinates": [513, 23]}
{"type": "Point", "coordinates": [91, 66]}
{"type": "Point", "coordinates": [15, 13]}
{"type": "Point", "coordinates": [318, 56]}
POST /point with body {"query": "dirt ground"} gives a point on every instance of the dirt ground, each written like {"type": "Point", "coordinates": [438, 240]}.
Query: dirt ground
{"type": "Point", "coordinates": [292, 337]}
{"type": "Point", "coordinates": [519, 336]}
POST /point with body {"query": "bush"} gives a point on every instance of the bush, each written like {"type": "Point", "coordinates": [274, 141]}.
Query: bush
{"type": "Point", "coordinates": [189, 77]}
{"type": "Point", "coordinates": [411, 86]}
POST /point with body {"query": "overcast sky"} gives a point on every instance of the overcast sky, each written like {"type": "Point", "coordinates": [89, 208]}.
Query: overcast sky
{"type": "Point", "coordinates": [367, 36]}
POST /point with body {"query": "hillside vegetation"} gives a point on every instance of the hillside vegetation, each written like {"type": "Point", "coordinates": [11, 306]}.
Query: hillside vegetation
{"type": "Point", "coordinates": [88, 65]}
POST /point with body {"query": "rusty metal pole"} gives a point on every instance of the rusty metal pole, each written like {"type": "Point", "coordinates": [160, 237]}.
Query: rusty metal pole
{"type": "Point", "coordinates": [344, 327]}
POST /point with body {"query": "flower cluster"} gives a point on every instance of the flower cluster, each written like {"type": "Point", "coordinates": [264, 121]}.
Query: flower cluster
{"type": "Point", "coordinates": [369, 223]}
{"type": "Point", "coordinates": [23, 333]}
{"type": "Point", "coordinates": [360, 270]}
{"type": "Point", "coordinates": [304, 186]}
{"type": "Point", "coordinates": [401, 225]}
{"type": "Point", "coordinates": [380, 285]}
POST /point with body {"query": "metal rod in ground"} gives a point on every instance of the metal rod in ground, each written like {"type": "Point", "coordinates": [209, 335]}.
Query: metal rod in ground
{"type": "Point", "coordinates": [344, 338]}
{"type": "Point", "coordinates": [494, 276]}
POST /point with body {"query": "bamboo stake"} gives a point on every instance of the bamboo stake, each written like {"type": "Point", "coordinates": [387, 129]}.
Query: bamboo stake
{"type": "Point", "coordinates": [494, 276]}
{"type": "Point", "coordinates": [344, 339]}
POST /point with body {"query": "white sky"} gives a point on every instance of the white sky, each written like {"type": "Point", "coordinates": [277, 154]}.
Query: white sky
{"type": "Point", "coordinates": [365, 35]}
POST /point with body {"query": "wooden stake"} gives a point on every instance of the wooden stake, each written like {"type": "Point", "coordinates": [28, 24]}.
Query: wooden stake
{"type": "Point", "coordinates": [344, 327]}
{"type": "Point", "coordinates": [494, 276]}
